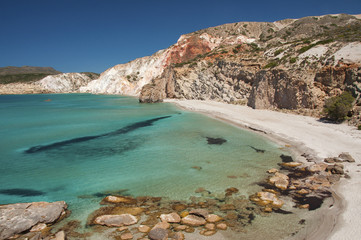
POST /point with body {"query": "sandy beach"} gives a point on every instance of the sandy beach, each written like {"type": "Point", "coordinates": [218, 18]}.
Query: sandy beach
{"type": "Point", "coordinates": [304, 135]}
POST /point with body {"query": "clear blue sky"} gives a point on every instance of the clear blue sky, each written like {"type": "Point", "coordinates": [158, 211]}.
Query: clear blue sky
{"type": "Point", "coordinates": [93, 35]}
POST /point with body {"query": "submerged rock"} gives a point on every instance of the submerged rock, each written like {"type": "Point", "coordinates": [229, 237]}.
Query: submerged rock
{"type": "Point", "coordinates": [217, 141]}
{"type": "Point", "coordinates": [199, 212]}
{"type": "Point", "coordinates": [170, 218]}
{"type": "Point", "coordinates": [267, 199]}
{"type": "Point", "coordinates": [212, 218]}
{"type": "Point", "coordinates": [193, 220]}
{"type": "Point", "coordinates": [116, 220]}
{"type": "Point", "coordinates": [20, 217]}
{"type": "Point", "coordinates": [120, 199]}
{"type": "Point", "coordinates": [158, 234]}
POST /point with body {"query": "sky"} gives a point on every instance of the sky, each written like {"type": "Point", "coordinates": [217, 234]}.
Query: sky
{"type": "Point", "coordinates": [94, 35]}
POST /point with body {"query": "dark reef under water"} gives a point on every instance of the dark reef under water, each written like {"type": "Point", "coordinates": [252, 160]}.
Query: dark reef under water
{"type": "Point", "coordinates": [124, 130]}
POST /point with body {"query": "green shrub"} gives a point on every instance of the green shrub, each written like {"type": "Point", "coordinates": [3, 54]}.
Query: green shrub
{"type": "Point", "coordinates": [359, 127]}
{"type": "Point", "coordinates": [293, 60]}
{"type": "Point", "coordinates": [278, 52]}
{"type": "Point", "coordinates": [235, 50]}
{"type": "Point", "coordinates": [337, 108]}
{"type": "Point", "coordinates": [271, 64]}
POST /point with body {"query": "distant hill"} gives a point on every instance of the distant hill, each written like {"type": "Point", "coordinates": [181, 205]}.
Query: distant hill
{"type": "Point", "coordinates": [26, 70]}
{"type": "Point", "coordinates": [24, 74]}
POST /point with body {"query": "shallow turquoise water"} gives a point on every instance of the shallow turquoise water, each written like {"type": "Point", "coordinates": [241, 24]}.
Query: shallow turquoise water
{"type": "Point", "coordinates": [77, 146]}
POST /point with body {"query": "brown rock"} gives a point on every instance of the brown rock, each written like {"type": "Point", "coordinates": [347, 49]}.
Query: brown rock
{"type": "Point", "coordinates": [121, 229]}
{"type": "Point", "coordinates": [60, 235]}
{"type": "Point", "coordinates": [184, 214]}
{"type": "Point", "coordinates": [171, 218]}
{"type": "Point", "coordinates": [302, 191]}
{"type": "Point", "coordinates": [267, 209]}
{"type": "Point", "coordinates": [190, 230]}
{"type": "Point", "coordinates": [212, 218]}
{"type": "Point", "coordinates": [346, 157]}
{"type": "Point", "coordinates": [304, 206]}
{"type": "Point", "coordinates": [178, 236]}
{"type": "Point", "coordinates": [317, 167]}
{"type": "Point", "coordinates": [193, 220]}
{"type": "Point", "coordinates": [199, 212]}
{"type": "Point", "coordinates": [232, 176]}
{"type": "Point", "coordinates": [38, 228]}
{"type": "Point", "coordinates": [279, 180]}
{"type": "Point", "coordinates": [267, 199]}
{"type": "Point", "coordinates": [143, 228]}
{"type": "Point", "coordinates": [230, 191]}
{"type": "Point", "coordinates": [116, 220]}
{"type": "Point", "coordinates": [291, 164]}
{"type": "Point", "coordinates": [179, 207]}
{"type": "Point", "coordinates": [180, 228]}
{"type": "Point", "coordinates": [126, 236]}
{"type": "Point", "coordinates": [207, 232]}
{"type": "Point", "coordinates": [163, 225]}
{"type": "Point", "coordinates": [210, 226]}
{"type": "Point", "coordinates": [272, 170]}
{"type": "Point", "coordinates": [197, 168]}
{"type": "Point", "coordinates": [222, 226]}
{"type": "Point", "coordinates": [225, 207]}
{"type": "Point", "coordinates": [158, 234]}
{"type": "Point", "coordinates": [200, 190]}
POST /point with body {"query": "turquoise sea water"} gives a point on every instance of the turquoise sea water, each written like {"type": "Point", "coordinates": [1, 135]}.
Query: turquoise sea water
{"type": "Point", "coordinates": [75, 147]}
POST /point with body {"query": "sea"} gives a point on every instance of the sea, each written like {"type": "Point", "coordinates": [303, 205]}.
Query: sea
{"type": "Point", "coordinates": [79, 148]}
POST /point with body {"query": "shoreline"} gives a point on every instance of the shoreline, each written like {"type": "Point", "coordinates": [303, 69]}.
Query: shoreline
{"type": "Point", "coordinates": [322, 140]}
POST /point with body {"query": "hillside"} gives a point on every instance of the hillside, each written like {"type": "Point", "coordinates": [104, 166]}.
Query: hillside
{"type": "Point", "coordinates": [24, 74]}
{"type": "Point", "coordinates": [292, 64]}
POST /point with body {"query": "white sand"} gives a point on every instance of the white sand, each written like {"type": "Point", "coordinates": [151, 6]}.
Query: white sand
{"type": "Point", "coordinates": [304, 134]}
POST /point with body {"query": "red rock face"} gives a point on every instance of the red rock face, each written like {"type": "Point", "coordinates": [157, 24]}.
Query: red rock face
{"type": "Point", "coordinates": [187, 49]}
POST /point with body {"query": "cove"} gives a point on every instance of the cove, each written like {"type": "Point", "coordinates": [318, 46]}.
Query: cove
{"type": "Point", "coordinates": [80, 148]}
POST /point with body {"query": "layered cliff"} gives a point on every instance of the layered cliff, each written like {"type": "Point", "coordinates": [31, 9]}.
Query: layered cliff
{"type": "Point", "coordinates": [290, 64]}
{"type": "Point", "coordinates": [129, 78]}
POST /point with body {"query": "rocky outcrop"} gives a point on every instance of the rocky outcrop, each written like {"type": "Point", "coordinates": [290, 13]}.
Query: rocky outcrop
{"type": "Point", "coordinates": [65, 82]}
{"type": "Point", "coordinates": [20, 217]}
{"type": "Point", "coordinates": [129, 78]}
{"type": "Point", "coordinates": [278, 69]}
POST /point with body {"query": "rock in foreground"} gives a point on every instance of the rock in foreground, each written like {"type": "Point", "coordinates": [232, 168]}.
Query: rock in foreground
{"type": "Point", "coordinates": [20, 217]}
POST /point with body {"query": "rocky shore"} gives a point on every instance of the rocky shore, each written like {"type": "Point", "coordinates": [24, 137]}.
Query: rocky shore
{"type": "Point", "coordinates": [303, 185]}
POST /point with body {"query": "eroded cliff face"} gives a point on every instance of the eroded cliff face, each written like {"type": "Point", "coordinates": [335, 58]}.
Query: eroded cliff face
{"type": "Point", "coordinates": [129, 78]}
{"type": "Point", "coordinates": [64, 82]}
{"type": "Point", "coordinates": [290, 64]}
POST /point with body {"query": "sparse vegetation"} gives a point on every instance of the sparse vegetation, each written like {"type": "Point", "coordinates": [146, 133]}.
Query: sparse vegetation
{"type": "Point", "coordinates": [337, 108]}
{"type": "Point", "coordinates": [271, 64]}
{"type": "Point", "coordinates": [293, 60]}
{"type": "Point", "coordinates": [306, 48]}
{"type": "Point", "coordinates": [359, 127]}
{"type": "Point", "coordinates": [22, 78]}
{"type": "Point", "coordinates": [278, 52]}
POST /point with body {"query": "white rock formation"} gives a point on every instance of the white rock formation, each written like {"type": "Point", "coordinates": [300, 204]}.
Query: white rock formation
{"type": "Point", "coordinates": [65, 82]}
{"type": "Point", "coordinates": [349, 53]}
{"type": "Point", "coordinates": [128, 78]}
